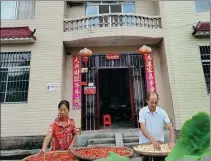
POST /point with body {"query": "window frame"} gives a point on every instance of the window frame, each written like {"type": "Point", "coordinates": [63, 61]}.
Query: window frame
{"type": "Point", "coordinates": [110, 4]}
{"type": "Point", "coordinates": [17, 12]}
{"type": "Point", "coordinates": [28, 67]}
{"type": "Point", "coordinates": [203, 66]}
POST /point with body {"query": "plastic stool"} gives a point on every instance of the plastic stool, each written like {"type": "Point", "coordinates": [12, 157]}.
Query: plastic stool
{"type": "Point", "coordinates": [106, 120]}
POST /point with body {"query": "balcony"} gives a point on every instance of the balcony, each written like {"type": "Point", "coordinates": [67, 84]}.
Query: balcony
{"type": "Point", "coordinates": [132, 27]}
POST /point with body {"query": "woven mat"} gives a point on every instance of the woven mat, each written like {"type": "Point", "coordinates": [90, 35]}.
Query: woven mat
{"type": "Point", "coordinates": [74, 151]}
{"type": "Point", "coordinates": [151, 153]}
{"type": "Point", "coordinates": [48, 153]}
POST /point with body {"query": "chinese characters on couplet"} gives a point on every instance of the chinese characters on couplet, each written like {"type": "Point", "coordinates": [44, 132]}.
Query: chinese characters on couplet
{"type": "Point", "coordinates": [150, 75]}
{"type": "Point", "coordinates": [76, 97]}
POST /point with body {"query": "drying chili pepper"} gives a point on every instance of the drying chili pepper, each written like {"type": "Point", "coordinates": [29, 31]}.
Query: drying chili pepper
{"type": "Point", "coordinates": [52, 156]}
{"type": "Point", "coordinates": [102, 152]}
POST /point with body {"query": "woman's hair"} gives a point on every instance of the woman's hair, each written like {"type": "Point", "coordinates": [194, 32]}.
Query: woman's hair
{"type": "Point", "coordinates": [149, 94]}
{"type": "Point", "coordinates": [64, 102]}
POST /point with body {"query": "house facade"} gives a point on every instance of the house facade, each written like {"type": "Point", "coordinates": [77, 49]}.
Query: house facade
{"type": "Point", "coordinates": [40, 41]}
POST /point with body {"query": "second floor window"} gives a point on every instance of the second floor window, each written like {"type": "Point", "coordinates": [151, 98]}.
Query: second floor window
{"type": "Point", "coordinates": [103, 7]}
{"type": "Point", "coordinates": [205, 60]}
{"type": "Point", "coordinates": [17, 9]}
{"type": "Point", "coordinates": [14, 76]}
{"type": "Point", "coordinates": [202, 6]}
{"type": "Point", "coordinates": [110, 7]}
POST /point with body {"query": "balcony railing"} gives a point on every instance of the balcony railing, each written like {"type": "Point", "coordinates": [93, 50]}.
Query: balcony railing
{"type": "Point", "coordinates": [112, 20]}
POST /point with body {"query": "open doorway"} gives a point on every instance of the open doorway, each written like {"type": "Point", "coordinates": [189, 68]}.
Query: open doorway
{"type": "Point", "coordinates": [114, 96]}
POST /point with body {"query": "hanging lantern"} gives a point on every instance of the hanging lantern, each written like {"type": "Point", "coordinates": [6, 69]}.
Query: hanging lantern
{"type": "Point", "coordinates": [144, 50]}
{"type": "Point", "coordinates": [85, 53]}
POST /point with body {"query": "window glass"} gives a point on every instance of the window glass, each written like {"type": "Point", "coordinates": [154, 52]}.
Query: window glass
{"type": "Point", "coordinates": [128, 8]}
{"type": "Point", "coordinates": [202, 6]}
{"type": "Point", "coordinates": [8, 9]}
{"type": "Point", "coordinates": [91, 10]}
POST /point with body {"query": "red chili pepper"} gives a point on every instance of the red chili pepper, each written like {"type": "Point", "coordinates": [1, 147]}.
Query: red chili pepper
{"type": "Point", "coordinates": [52, 156]}
{"type": "Point", "coordinates": [102, 152]}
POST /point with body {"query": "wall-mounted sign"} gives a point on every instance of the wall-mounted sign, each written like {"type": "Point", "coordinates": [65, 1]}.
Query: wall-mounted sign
{"type": "Point", "coordinates": [112, 56]}
{"type": "Point", "coordinates": [90, 84]}
{"type": "Point", "coordinates": [84, 70]}
{"type": "Point", "coordinates": [89, 90]}
{"type": "Point", "coordinates": [76, 96]}
{"type": "Point", "coordinates": [52, 86]}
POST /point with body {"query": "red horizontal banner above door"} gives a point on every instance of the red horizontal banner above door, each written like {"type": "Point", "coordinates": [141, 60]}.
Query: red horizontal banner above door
{"type": "Point", "coordinates": [112, 56]}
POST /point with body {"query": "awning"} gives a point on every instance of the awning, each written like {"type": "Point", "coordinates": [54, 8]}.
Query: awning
{"type": "Point", "coordinates": [201, 29]}
{"type": "Point", "coordinates": [10, 35]}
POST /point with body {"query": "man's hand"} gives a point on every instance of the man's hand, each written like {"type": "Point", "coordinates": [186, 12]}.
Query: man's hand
{"type": "Point", "coordinates": [70, 148]}
{"type": "Point", "coordinates": [171, 145]}
{"type": "Point", "coordinates": [147, 135]}
{"type": "Point", "coordinates": [156, 144]}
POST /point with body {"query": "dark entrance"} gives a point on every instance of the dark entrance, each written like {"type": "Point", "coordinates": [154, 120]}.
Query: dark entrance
{"type": "Point", "coordinates": [114, 95]}
{"type": "Point", "coordinates": [100, 69]}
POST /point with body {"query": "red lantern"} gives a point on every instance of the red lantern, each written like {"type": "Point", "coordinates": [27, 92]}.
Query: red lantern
{"type": "Point", "coordinates": [144, 50]}
{"type": "Point", "coordinates": [85, 53]}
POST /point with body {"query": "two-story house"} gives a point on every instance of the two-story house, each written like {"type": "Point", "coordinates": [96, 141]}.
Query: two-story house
{"type": "Point", "coordinates": [40, 41]}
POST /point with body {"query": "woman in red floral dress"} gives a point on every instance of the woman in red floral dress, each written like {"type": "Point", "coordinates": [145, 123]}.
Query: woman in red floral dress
{"type": "Point", "coordinates": [62, 130]}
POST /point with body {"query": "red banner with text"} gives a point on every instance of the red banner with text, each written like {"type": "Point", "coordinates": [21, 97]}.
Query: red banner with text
{"type": "Point", "coordinates": [76, 95]}
{"type": "Point", "coordinates": [150, 74]}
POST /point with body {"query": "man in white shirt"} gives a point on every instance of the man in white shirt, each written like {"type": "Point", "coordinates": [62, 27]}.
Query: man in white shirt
{"type": "Point", "coordinates": [152, 120]}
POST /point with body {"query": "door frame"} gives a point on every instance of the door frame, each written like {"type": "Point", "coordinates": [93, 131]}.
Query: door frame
{"type": "Point", "coordinates": [131, 94]}
{"type": "Point", "coordinates": [97, 62]}
{"type": "Point", "coordinates": [131, 97]}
